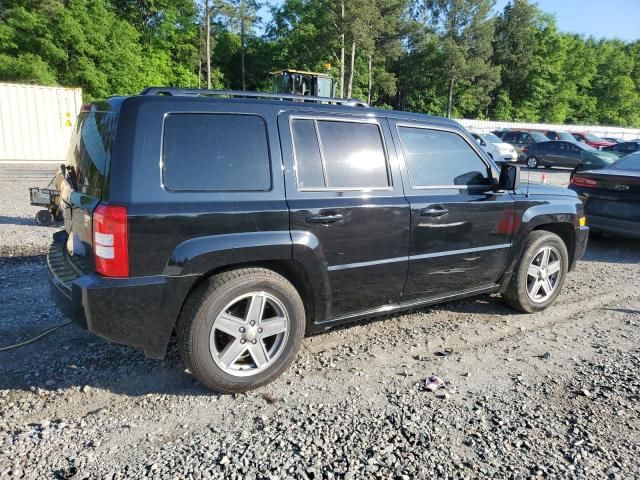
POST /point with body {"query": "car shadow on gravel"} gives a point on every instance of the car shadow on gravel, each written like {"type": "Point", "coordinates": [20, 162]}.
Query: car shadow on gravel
{"type": "Point", "coordinates": [73, 359]}
{"type": "Point", "coordinates": [4, 220]}
{"type": "Point", "coordinates": [609, 249]}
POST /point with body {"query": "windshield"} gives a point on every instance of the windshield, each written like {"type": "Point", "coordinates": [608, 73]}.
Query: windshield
{"type": "Point", "coordinates": [587, 147]}
{"type": "Point", "coordinates": [566, 136]}
{"type": "Point", "coordinates": [538, 137]}
{"type": "Point", "coordinates": [630, 162]}
{"type": "Point", "coordinates": [593, 138]}
{"type": "Point", "coordinates": [491, 138]}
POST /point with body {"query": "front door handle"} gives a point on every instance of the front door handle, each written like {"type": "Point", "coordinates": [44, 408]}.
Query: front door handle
{"type": "Point", "coordinates": [436, 211]}
{"type": "Point", "coordinates": [325, 219]}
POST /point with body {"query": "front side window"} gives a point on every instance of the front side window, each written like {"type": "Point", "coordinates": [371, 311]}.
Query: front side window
{"type": "Point", "coordinates": [437, 158]}
{"type": "Point", "coordinates": [339, 155]}
{"type": "Point", "coordinates": [215, 152]}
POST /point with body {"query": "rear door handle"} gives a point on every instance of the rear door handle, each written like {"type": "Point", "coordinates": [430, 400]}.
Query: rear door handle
{"type": "Point", "coordinates": [436, 211]}
{"type": "Point", "coordinates": [325, 219]}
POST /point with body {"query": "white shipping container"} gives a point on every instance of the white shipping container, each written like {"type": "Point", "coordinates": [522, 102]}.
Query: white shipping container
{"type": "Point", "coordinates": [36, 122]}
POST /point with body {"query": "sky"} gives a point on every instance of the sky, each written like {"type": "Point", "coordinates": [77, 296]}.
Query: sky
{"type": "Point", "coordinates": [601, 19]}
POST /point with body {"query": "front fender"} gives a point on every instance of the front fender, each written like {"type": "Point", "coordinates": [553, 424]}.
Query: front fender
{"type": "Point", "coordinates": [535, 213]}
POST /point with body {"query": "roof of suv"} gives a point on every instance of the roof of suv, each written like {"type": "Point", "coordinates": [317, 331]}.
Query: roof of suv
{"type": "Point", "coordinates": [158, 94]}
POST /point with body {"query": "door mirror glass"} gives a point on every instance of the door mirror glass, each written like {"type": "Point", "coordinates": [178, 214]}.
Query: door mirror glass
{"type": "Point", "coordinates": [509, 177]}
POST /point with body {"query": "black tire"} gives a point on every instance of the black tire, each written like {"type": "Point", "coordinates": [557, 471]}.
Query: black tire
{"type": "Point", "coordinates": [516, 294]}
{"type": "Point", "coordinates": [209, 299]}
{"type": "Point", "coordinates": [533, 162]}
{"type": "Point", "coordinates": [44, 218]}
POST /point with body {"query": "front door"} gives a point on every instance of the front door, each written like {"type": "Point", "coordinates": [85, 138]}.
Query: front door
{"type": "Point", "coordinates": [461, 227]}
{"type": "Point", "coordinates": [346, 203]}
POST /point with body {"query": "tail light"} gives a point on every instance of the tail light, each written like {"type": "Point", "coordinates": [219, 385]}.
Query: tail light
{"type": "Point", "coordinates": [525, 149]}
{"type": "Point", "coordinates": [110, 241]}
{"type": "Point", "coordinates": [583, 182]}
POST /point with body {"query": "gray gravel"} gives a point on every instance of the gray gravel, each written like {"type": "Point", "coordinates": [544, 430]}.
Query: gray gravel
{"type": "Point", "coordinates": [551, 395]}
{"type": "Point", "coordinates": [19, 233]}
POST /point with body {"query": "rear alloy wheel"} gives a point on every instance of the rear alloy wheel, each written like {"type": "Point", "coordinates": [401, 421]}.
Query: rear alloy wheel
{"type": "Point", "coordinates": [540, 273]}
{"type": "Point", "coordinates": [532, 162]}
{"type": "Point", "coordinates": [241, 329]}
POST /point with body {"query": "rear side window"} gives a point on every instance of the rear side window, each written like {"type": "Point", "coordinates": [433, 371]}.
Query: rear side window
{"type": "Point", "coordinates": [215, 152]}
{"type": "Point", "coordinates": [437, 158]}
{"type": "Point", "coordinates": [339, 155]}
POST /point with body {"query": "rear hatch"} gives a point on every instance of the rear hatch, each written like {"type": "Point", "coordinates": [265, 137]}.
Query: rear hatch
{"type": "Point", "coordinates": [87, 165]}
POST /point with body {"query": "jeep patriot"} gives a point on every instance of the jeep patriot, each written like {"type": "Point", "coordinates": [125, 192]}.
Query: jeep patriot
{"type": "Point", "coordinates": [241, 221]}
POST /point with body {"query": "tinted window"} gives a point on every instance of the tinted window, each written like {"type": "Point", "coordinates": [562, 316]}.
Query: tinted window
{"type": "Point", "coordinates": [307, 150]}
{"type": "Point", "coordinates": [90, 149]}
{"type": "Point", "coordinates": [440, 158]}
{"type": "Point", "coordinates": [346, 154]}
{"type": "Point", "coordinates": [215, 152]}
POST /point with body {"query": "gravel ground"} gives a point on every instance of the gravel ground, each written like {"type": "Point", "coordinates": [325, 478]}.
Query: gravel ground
{"type": "Point", "coordinates": [552, 395]}
{"type": "Point", "coordinates": [17, 216]}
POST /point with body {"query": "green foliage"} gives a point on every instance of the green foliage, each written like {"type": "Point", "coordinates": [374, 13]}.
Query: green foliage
{"type": "Point", "coordinates": [432, 56]}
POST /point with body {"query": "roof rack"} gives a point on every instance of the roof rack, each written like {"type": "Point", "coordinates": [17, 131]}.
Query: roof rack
{"type": "Point", "coordinates": [194, 92]}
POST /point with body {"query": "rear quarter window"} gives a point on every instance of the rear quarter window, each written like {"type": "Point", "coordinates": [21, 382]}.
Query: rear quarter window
{"type": "Point", "coordinates": [215, 152]}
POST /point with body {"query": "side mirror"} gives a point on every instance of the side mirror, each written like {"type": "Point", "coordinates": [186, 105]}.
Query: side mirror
{"type": "Point", "coordinates": [509, 177]}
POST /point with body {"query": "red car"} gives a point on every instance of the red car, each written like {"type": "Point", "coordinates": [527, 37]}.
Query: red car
{"type": "Point", "coordinates": [591, 139]}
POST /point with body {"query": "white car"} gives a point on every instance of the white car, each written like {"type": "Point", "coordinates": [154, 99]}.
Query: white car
{"type": "Point", "coordinates": [496, 148]}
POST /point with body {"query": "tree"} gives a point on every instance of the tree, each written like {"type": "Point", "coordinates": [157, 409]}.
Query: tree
{"type": "Point", "coordinates": [466, 32]}
{"type": "Point", "coordinates": [243, 16]}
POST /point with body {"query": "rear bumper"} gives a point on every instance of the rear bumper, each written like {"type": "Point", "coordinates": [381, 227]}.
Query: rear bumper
{"type": "Point", "coordinates": [623, 228]}
{"type": "Point", "coordinates": [137, 312]}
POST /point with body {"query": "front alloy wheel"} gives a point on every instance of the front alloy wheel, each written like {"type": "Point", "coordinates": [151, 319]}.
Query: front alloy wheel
{"type": "Point", "coordinates": [539, 274]}
{"type": "Point", "coordinates": [543, 274]}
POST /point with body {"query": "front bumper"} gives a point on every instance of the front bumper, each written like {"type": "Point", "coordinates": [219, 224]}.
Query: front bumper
{"type": "Point", "coordinates": [138, 312]}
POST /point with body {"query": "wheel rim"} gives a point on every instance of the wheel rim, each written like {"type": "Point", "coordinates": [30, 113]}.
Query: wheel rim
{"type": "Point", "coordinates": [532, 162]}
{"type": "Point", "coordinates": [543, 275]}
{"type": "Point", "coordinates": [249, 334]}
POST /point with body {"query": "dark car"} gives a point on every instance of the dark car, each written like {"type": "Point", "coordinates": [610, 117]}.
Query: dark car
{"type": "Point", "coordinates": [613, 139]}
{"type": "Point", "coordinates": [612, 196]}
{"type": "Point", "coordinates": [242, 220]}
{"type": "Point", "coordinates": [521, 139]}
{"type": "Point", "coordinates": [556, 153]}
{"type": "Point", "coordinates": [624, 148]}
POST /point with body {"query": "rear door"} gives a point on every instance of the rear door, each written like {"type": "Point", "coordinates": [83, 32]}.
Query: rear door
{"type": "Point", "coordinates": [346, 203]}
{"type": "Point", "coordinates": [461, 230]}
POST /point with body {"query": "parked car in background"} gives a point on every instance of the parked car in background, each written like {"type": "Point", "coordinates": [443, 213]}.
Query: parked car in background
{"type": "Point", "coordinates": [611, 196]}
{"type": "Point", "coordinates": [495, 148]}
{"type": "Point", "coordinates": [521, 139]}
{"type": "Point", "coordinates": [622, 149]}
{"type": "Point", "coordinates": [591, 139]}
{"type": "Point", "coordinates": [558, 153]}
{"type": "Point", "coordinates": [613, 139]}
{"type": "Point", "coordinates": [558, 135]}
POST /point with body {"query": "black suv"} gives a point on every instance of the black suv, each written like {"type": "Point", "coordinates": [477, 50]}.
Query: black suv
{"type": "Point", "coordinates": [243, 220]}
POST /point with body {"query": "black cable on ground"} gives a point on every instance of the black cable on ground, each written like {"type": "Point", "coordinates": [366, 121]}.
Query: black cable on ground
{"type": "Point", "coordinates": [31, 340]}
